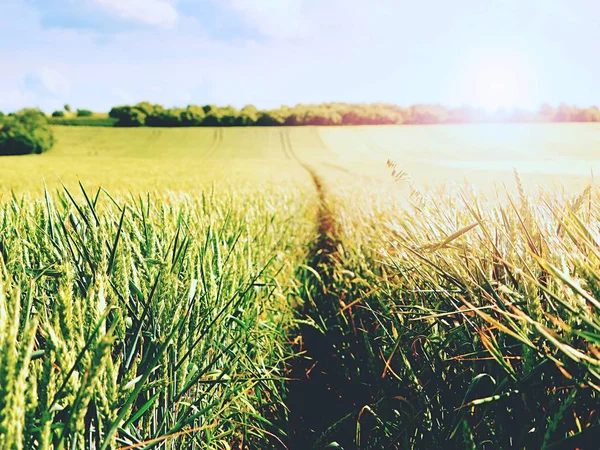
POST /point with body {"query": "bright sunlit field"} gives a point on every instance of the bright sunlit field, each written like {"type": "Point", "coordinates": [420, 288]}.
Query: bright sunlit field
{"type": "Point", "coordinates": [137, 160]}
{"type": "Point", "coordinates": [242, 288]}
{"type": "Point", "coordinates": [299, 225]}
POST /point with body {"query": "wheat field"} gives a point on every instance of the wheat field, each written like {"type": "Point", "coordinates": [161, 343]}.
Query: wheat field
{"type": "Point", "coordinates": [287, 288]}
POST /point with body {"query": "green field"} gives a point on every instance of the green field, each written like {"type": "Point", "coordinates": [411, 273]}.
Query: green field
{"type": "Point", "coordinates": [187, 158]}
{"type": "Point", "coordinates": [269, 288]}
{"type": "Point", "coordinates": [95, 121]}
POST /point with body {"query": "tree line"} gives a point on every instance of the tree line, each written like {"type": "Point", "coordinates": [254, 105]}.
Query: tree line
{"type": "Point", "coordinates": [25, 132]}
{"type": "Point", "coordinates": [326, 114]}
{"type": "Point", "coordinates": [331, 114]}
{"type": "Point", "coordinates": [28, 130]}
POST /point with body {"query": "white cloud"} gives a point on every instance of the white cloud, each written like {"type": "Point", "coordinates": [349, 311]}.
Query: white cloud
{"type": "Point", "coordinates": [275, 18]}
{"type": "Point", "coordinates": [54, 82]}
{"type": "Point", "coordinates": [150, 12]}
{"type": "Point", "coordinates": [310, 51]}
{"type": "Point", "coordinates": [315, 19]}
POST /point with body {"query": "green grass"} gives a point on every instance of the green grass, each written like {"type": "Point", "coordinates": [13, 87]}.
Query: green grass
{"type": "Point", "coordinates": [94, 121]}
{"type": "Point", "coordinates": [185, 159]}
{"type": "Point", "coordinates": [155, 319]}
{"type": "Point", "coordinates": [209, 298]}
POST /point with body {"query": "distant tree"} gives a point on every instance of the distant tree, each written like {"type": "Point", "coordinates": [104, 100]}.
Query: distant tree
{"type": "Point", "coordinates": [146, 107]}
{"type": "Point", "coordinates": [293, 120]}
{"type": "Point", "coordinates": [228, 116]}
{"type": "Point", "coordinates": [591, 114]}
{"type": "Point", "coordinates": [193, 116]}
{"type": "Point", "coordinates": [212, 120]}
{"type": "Point", "coordinates": [246, 117]}
{"type": "Point", "coordinates": [128, 116]}
{"type": "Point", "coordinates": [25, 132]}
{"type": "Point", "coordinates": [84, 113]}
{"type": "Point", "coordinates": [169, 118]}
{"type": "Point", "coordinates": [332, 114]}
{"type": "Point", "coordinates": [58, 113]}
{"type": "Point", "coordinates": [584, 114]}
{"type": "Point", "coordinates": [249, 110]}
{"type": "Point", "coordinates": [156, 109]}
{"type": "Point", "coordinates": [463, 115]}
{"type": "Point", "coordinates": [318, 116]}
{"type": "Point", "coordinates": [270, 118]}
{"type": "Point", "coordinates": [67, 108]}
{"type": "Point", "coordinates": [427, 114]}
{"type": "Point", "coordinates": [546, 112]}
{"type": "Point", "coordinates": [565, 113]}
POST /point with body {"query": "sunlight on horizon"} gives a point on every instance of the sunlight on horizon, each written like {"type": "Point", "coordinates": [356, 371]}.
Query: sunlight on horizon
{"type": "Point", "coordinates": [497, 88]}
{"type": "Point", "coordinates": [500, 80]}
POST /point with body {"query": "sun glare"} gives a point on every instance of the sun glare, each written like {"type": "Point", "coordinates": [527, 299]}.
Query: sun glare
{"type": "Point", "coordinates": [498, 82]}
{"type": "Point", "coordinates": [498, 88]}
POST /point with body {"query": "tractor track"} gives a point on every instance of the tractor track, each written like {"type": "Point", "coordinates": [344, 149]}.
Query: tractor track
{"type": "Point", "coordinates": [284, 138]}
{"type": "Point", "coordinates": [319, 393]}
{"type": "Point", "coordinates": [325, 391]}
{"type": "Point", "coordinates": [216, 143]}
{"type": "Point", "coordinates": [326, 246]}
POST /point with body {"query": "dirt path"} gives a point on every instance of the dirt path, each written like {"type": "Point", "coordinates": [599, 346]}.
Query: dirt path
{"type": "Point", "coordinates": [326, 246]}
{"type": "Point", "coordinates": [324, 397]}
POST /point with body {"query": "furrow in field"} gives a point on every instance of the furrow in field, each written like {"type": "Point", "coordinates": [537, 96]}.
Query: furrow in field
{"type": "Point", "coordinates": [147, 144]}
{"type": "Point", "coordinates": [327, 392]}
{"type": "Point", "coordinates": [290, 148]}
{"type": "Point", "coordinates": [321, 140]}
{"type": "Point", "coordinates": [312, 373]}
{"type": "Point", "coordinates": [370, 144]}
{"type": "Point", "coordinates": [284, 138]}
{"type": "Point", "coordinates": [217, 141]}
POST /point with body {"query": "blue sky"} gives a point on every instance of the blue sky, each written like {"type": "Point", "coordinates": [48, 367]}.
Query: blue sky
{"type": "Point", "coordinates": [99, 53]}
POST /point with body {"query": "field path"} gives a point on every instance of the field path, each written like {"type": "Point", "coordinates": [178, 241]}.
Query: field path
{"type": "Point", "coordinates": [320, 394]}
{"type": "Point", "coordinates": [331, 382]}
{"type": "Point", "coordinates": [286, 145]}
{"type": "Point", "coordinates": [216, 143]}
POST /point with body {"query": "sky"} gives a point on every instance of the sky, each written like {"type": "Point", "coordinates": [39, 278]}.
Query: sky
{"type": "Point", "coordinates": [96, 54]}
